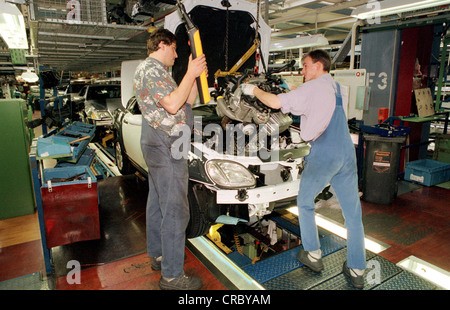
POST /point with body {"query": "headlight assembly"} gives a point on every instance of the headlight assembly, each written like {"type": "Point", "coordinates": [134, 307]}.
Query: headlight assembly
{"type": "Point", "coordinates": [229, 174]}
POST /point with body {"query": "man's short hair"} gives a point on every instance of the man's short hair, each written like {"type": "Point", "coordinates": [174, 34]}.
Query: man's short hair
{"type": "Point", "coordinates": [321, 56]}
{"type": "Point", "coordinates": [159, 35]}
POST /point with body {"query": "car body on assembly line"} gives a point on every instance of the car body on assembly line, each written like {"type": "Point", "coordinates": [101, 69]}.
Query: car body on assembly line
{"type": "Point", "coordinates": [244, 159]}
{"type": "Point", "coordinates": [227, 184]}
{"type": "Point", "coordinates": [99, 101]}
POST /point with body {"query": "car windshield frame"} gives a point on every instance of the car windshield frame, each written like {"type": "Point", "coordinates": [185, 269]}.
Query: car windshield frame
{"type": "Point", "coordinates": [98, 92]}
{"type": "Point", "coordinates": [75, 88]}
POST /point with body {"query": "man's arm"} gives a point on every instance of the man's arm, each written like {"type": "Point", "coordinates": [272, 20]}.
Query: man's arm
{"type": "Point", "coordinates": [269, 99]}
{"type": "Point", "coordinates": [175, 100]}
{"type": "Point", "coordinates": [193, 94]}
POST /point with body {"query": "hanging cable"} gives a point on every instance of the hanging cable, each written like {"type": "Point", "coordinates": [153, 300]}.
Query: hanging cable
{"type": "Point", "coordinates": [256, 41]}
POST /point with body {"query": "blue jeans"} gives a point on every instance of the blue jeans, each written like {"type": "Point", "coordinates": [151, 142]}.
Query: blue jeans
{"type": "Point", "coordinates": [315, 177]}
{"type": "Point", "coordinates": [167, 203]}
{"type": "Point", "coordinates": [332, 160]}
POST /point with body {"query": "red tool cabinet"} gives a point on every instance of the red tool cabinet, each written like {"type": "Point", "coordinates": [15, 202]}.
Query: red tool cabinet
{"type": "Point", "coordinates": [70, 204]}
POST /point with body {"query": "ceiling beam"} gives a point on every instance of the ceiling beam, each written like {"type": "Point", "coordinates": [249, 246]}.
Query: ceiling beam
{"type": "Point", "coordinates": [309, 27]}
{"type": "Point", "coordinates": [297, 14]}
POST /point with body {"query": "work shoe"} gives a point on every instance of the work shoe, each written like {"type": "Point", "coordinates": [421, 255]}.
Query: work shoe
{"type": "Point", "coordinates": [181, 283]}
{"type": "Point", "coordinates": [306, 259]}
{"type": "Point", "coordinates": [356, 280]}
{"type": "Point", "coordinates": [156, 263]}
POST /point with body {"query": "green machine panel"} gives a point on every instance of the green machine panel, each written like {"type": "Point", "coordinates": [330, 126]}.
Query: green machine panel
{"type": "Point", "coordinates": [16, 185]}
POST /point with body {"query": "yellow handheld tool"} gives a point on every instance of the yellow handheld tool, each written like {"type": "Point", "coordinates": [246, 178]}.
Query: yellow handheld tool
{"type": "Point", "coordinates": [196, 50]}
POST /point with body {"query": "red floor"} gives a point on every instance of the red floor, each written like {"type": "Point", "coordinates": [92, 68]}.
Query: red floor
{"type": "Point", "coordinates": [134, 273]}
{"type": "Point", "coordinates": [417, 223]}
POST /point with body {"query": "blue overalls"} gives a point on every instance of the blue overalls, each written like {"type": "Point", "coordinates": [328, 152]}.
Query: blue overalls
{"type": "Point", "coordinates": [332, 160]}
{"type": "Point", "coordinates": [167, 202]}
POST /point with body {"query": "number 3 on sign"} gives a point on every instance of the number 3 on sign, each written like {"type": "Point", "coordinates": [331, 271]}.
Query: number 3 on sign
{"type": "Point", "coordinates": [382, 78]}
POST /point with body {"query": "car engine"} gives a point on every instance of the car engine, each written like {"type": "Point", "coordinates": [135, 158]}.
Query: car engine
{"type": "Point", "coordinates": [236, 108]}
{"type": "Point", "coordinates": [247, 109]}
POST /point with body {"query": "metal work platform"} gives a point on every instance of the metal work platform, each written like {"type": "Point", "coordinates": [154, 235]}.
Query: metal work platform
{"type": "Point", "coordinates": [283, 271]}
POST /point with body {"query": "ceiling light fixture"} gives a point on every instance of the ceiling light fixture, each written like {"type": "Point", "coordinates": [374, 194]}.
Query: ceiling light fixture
{"type": "Point", "coordinates": [376, 9]}
{"type": "Point", "coordinates": [29, 76]}
{"type": "Point", "coordinates": [299, 42]}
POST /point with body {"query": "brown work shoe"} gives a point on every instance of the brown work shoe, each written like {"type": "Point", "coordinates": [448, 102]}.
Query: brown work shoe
{"type": "Point", "coordinates": [356, 280]}
{"type": "Point", "coordinates": [304, 258]}
{"type": "Point", "coordinates": [181, 283]}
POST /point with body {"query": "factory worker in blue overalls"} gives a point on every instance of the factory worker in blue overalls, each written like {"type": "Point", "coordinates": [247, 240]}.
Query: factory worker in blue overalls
{"type": "Point", "coordinates": [332, 160]}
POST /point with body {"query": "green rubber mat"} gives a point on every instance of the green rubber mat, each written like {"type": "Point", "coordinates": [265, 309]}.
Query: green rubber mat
{"type": "Point", "coordinates": [378, 270]}
{"type": "Point", "coordinates": [304, 278]}
{"type": "Point", "coordinates": [283, 271]}
{"type": "Point", "coordinates": [406, 281]}
{"type": "Point", "coordinates": [287, 261]}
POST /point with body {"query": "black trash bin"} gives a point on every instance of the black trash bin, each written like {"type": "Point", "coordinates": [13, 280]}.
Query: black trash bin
{"type": "Point", "coordinates": [381, 161]}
